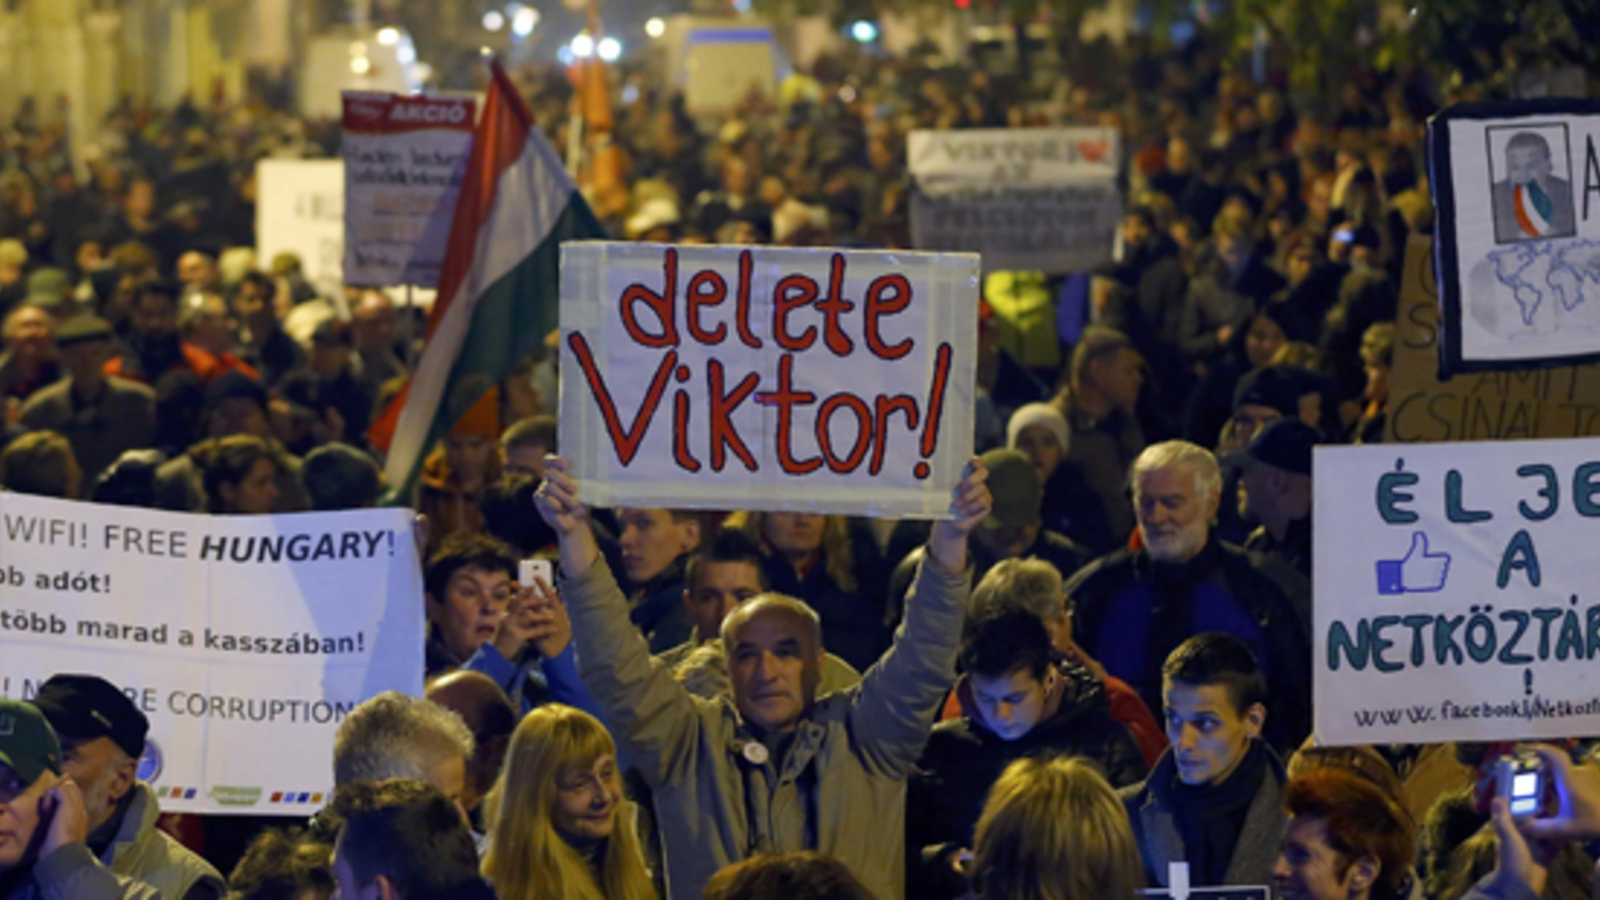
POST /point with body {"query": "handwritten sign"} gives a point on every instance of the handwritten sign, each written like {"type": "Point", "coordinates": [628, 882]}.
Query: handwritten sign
{"type": "Point", "coordinates": [1549, 402]}
{"type": "Point", "coordinates": [1034, 199]}
{"type": "Point", "coordinates": [404, 157]}
{"type": "Point", "coordinates": [764, 378]}
{"type": "Point", "coordinates": [244, 639]}
{"type": "Point", "coordinates": [1517, 186]}
{"type": "Point", "coordinates": [1455, 592]}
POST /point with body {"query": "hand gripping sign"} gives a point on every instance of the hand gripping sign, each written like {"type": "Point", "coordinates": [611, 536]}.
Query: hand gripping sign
{"type": "Point", "coordinates": [762, 378]}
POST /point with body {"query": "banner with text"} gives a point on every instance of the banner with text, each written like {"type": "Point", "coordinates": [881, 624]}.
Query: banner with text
{"type": "Point", "coordinates": [1470, 614]}
{"type": "Point", "coordinates": [1517, 187]}
{"type": "Point", "coordinates": [404, 157]}
{"type": "Point", "coordinates": [1026, 198]}
{"type": "Point", "coordinates": [245, 639]}
{"type": "Point", "coordinates": [300, 210]}
{"type": "Point", "coordinates": [767, 378]}
{"type": "Point", "coordinates": [1545, 402]}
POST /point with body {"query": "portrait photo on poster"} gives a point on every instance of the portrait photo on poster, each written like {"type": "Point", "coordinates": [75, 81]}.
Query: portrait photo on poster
{"type": "Point", "coordinates": [1516, 185]}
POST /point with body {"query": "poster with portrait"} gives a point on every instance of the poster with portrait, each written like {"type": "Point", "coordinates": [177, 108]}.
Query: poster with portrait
{"type": "Point", "coordinates": [1517, 189]}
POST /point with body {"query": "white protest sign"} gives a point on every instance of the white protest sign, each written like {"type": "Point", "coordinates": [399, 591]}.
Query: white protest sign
{"type": "Point", "coordinates": [1517, 187]}
{"type": "Point", "coordinates": [1455, 592]}
{"type": "Point", "coordinates": [1030, 199]}
{"type": "Point", "coordinates": [245, 639]}
{"type": "Point", "coordinates": [404, 157]}
{"type": "Point", "coordinates": [300, 210]}
{"type": "Point", "coordinates": [766, 378]}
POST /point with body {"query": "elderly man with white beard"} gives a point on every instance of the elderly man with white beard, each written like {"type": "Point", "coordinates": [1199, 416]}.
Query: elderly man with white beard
{"type": "Point", "coordinates": [1176, 579]}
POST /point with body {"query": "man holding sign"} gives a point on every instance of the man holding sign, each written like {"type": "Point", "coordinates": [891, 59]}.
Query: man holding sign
{"type": "Point", "coordinates": [775, 769]}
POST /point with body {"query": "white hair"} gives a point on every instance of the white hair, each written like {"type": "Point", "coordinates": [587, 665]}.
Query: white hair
{"type": "Point", "coordinates": [1168, 454]}
{"type": "Point", "coordinates": [395, 736]}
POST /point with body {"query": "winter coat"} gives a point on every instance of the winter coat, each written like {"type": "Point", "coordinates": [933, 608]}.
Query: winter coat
{"type": "Point", "coordinates": [719, 796]}
{"type": "Point", "coordinates": [144, 853]}
{"type": "Point", "coordinates": [72, 873]}
{"type": "Point", "coordinates": [964, 759]}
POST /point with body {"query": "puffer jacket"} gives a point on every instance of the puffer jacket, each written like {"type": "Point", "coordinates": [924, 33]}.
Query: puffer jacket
{"type": "Point", "coordinates": [964, 759]}
{"type": "Point", "coordinates": [145, 853]}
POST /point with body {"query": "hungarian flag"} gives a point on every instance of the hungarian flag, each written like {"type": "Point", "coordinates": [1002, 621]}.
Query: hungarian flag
{"type": "Point", "coordinates": [498, 294]}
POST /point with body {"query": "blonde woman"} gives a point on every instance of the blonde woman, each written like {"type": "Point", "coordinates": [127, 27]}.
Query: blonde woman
{"type": "Point", "coordinates": [559, 825]}
{"type": "Point", "coordinates": [1054, 829]}
{"type": "Point", "coordinates": [815, 558]}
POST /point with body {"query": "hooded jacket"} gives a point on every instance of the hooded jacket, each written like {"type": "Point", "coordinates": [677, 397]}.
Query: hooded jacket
{"type": "Point", "coordinates": [720, 795]}
{"type": "Point", "coordinates": [964, 759]}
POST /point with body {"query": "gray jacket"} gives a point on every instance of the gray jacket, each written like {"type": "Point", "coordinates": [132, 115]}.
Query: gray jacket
{"type": "Point", "coordinates": [145, 853]}
{"type": "Point", "coordinates": [841, 788]}
{"type": "Point", "coordinates": [1156, 828]}
{"type": "Point", "coordinates": [72, 873]}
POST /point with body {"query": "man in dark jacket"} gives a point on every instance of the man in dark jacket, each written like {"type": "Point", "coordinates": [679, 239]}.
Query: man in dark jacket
{"type": "Point", "coordinates": [1215, 800]}
{"type": "Point", "coordinates": [1134, 607]}
{"type": "Point", "coordinates": [1014, 531]}
{"type": "Point", "coordinates": [403, 839]}
{"type": "Point", "coordinates": [1027, 703]}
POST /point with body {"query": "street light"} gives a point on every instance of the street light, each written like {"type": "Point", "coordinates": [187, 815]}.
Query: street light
{"type": "Point", "coordinates": [609, 49]}
{"type": "Point", "coordinates": [583, 46]}
{"type": "Point", "coordinates": [388, 36]}
{"type": "Point", "coordinates": [524, 21]}
{"type": "Point", "coordinates": [494, 20]}
{"type": "Point", "coordinates": [864, 32]}
{"type": "Point", "coordinates": [655, 27]}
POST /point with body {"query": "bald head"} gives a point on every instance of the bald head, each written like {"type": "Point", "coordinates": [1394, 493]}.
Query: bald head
{"type": "Point", "coordinates": [774, 648]}
{"type": "Point", "coordinates": [489, 715]}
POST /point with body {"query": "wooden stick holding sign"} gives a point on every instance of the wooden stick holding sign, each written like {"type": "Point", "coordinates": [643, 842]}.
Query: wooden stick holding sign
{"type": "Point", "coordinates": [765, 378]}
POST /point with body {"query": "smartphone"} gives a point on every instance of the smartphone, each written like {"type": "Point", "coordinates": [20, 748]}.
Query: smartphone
{"type": "Point", "coordinates": [1344, 235]}
{"type": "Point", "coordinates": [1520, 780]}
{"type": "Point", "coordinates": [530, 569]}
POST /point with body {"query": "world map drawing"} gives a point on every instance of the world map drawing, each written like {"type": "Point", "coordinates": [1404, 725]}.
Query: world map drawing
{"type": "Point", "coordinates": [1553, 284]}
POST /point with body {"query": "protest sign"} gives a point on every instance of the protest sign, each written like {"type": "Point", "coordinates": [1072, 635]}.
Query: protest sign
{"type": "Point", "coordinates": [1547, 402]}
{"type": "Point", "coordinates": [246, 640]}
{"type": "Point", "coordinates": [766, 378]}
{"type": "Point", "coordinates": [300, 210]}
{"type": "Point", "coordinates": [1517, 187]}
{"type": "Point", "coordinates": [1028, 199]}
{"type": "Point", "coordinates": [403, 159]}
{"type": "Point", "coordinates": [1455, 592]}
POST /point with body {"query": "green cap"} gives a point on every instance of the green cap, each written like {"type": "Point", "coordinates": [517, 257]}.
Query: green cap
{"type": "Point", "coordinates": [27, 742]}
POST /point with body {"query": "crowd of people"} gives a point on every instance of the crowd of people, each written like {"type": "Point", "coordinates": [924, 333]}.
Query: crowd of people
{"type": "Point", "coordinates": [1095, 670]}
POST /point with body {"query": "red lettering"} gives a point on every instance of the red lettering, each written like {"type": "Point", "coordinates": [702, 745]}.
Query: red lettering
{"type": "Point", "coordinates": [863, 431]}
{"type": "Point", "coordinates": [786, 398]}
{"type": "Point", "coordinates": [888, 406]}
{"type": "Point", "coordinates": [930, 426]}
{"type": "Point", "coordinates": [834, 306]}
{"type": "Point", "coordinates": [699, 297]}
{"type": "Point", "coordinates": [878, 306]}
{"type": "Point", "coordinates": [626, 442]}
{"type": "Point", "coordinates": [793, 292]}
{"type": "Point", "coordinates": [742, 302]}
{"type": "Point", "coordinates": [680, 433]}
{"type": "Point", "coordinates": [661, 304]}
{"type": "Point", "coordinates": [724, 436]}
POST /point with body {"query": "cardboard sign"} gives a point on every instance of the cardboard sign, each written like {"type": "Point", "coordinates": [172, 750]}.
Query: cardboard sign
{"type": "Point", "coordinates": [1549, 402]}
{"type": "Point", "coordinates": [1027, 199]}
{"type": "Point", "coordinates": [404, 157]}
{"type": "Point", "coordinates": [1455, 592]}
{"type": "Point", "coordinates": [300, 210]}
{"type": "Point", "coordinates": [246, 640]}
{"type": "Point", "coordinates": [1517, 187]}
{"type": "Point", "coordinates": [762, 378]}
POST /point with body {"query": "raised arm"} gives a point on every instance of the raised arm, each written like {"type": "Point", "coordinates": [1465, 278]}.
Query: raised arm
{"type": "Point", "coordinates": [654, 721]}
{"type": "Point", "coordinates": [900, 696]}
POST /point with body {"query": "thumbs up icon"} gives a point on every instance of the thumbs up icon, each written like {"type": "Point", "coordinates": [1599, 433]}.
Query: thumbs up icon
{"type": "Point", "coordinates": [1420, 572]}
